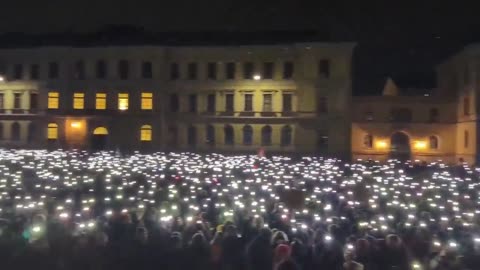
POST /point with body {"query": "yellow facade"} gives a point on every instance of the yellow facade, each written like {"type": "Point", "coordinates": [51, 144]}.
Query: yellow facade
{"type": "Point", "coordinates": [293, 98]}
{"type": "Point", "coordinates": [442, 124]}
{"type": "Point", "coordinates": [282, 110]}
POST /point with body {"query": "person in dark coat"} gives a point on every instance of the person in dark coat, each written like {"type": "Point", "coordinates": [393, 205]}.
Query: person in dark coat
{"type": "Point", "coordinates": [259, 251]}
{"type": "Point", "coordinates": [198, 254]}
{"type": "Point", "coordinates": [232, 255]}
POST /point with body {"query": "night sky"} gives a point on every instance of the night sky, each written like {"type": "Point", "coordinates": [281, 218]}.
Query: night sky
{"type": "Point", "coordinates": [402, 39]}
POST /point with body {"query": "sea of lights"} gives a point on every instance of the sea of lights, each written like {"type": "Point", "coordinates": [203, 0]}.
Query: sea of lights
{"type": "Point", "coordinates": [80, 187]}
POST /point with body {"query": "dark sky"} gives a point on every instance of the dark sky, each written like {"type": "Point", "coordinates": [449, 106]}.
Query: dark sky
{"type": "Point", "coordinates": [403, 39]}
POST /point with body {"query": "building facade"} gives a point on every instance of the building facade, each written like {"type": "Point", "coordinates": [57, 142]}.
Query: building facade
{"type": "Point", "coordinates": [439, 125]}
{"type": "Point", "coordinates": [285, 98]}
{"type": "Point", "coordinates": [291, 97]}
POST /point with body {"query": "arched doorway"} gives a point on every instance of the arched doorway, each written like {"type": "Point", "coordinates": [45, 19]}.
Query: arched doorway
{"type": "Point", "coordinates": [400, 146]}
{"type": "Point", "coordinates": [99, 138]}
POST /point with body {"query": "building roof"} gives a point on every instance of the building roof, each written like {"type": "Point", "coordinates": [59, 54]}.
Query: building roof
{"type": "Point", "coordinates": [390, 88]}
{"type": "Point", "coordinates": [128, 35]}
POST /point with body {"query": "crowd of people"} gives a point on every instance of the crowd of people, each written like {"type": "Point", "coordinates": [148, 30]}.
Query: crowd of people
{"type": "Point", "coordinates": [79, 210]}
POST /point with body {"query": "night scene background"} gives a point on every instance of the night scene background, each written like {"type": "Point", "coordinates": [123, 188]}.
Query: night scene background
{"type": "Point", "coordinates": [400, 39]}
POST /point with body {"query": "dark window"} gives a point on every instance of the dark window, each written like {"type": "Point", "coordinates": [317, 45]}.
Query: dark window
{"type": "Point", "coordinates": [433, 140]}
{"type": "Point", "coordinates": [2, 101]}
{"type": "Point", "coordinates": [174, 103]}
{"type": "Point", "coordinates": [192, 103]}
{"type": "Point", "coordinates": [211, 106]}
{"type": "Point", "coordinates": [248, 102]}
{"type": "Point", "coordinates": [466, 75]}
{"type": "Point", "coordinates": [210, 135]}
{"type": "Point", "coordinates": [466, 106]}
{"type": "Point", "coordinates": [267, 135]}
{"type": "Point", "coordinates": [369, 115]}
{"type": "Point", "coordinates": [287, 102]}
{"type": "Point", "coordinates": [324, 68]}
{"type": "Point", "coordinates": [433, 115]}
{"type": "Point", "coordinates": [247, 135]}
{"type": "Point", "coordinates": [322, 141]}
{"type": "Point", "coordinates": [174, 71]}
{"type": "Point", "coordinates": [1, 132]}
{"type": "Point", "coordinates": [286, 136]}
{"type": "Point", "coordinates": [172, 136]}
{"type": "Point", "coordinates": [32, 130]}
{"type": "Point", "coordinates": [33, 101]}
{"type": "Point", "coordinates": [322, 105]}
{"type": "Point", "coordinates": [101, 69]}
{"type": "Point", "coordinates": [147, 72]}
{"type": "Point", "coordinates": [248, 70]}
{"type": "Point", "coordinates": [229, 102]}
{"type": "Point", "coordinates": [402, 115]}
{"type": "Point", "coordinates": [18, 71]}
{"type": "Point", "coordinates": [229, 135]}
{"type": "Point", "coordinates": [192, 70]}
{"type": "Point", "coordinates": [17, 100]}
{"type": "Point", "coordinates": [288, 70]}
{"type": "Point", "coordinates": [34, 72]}
{"type": "Point", "coordinates": [191, 136]}
{"type": "Point", "coordinates": [268, 70]}
{"type": "Point", "coordinates": [465, 138]}
{"type": "Point", "coordinates": [79, 70]}
{"type": "Point", "coordinates": [15, 131]}
{"type": "Point", "coordinates": [368, 141]}
{"type": "Point", "coordinates": [212, 71]}
{"type": "Point", "coordinates": [123, 69]}
{"type": "Point", "coordinates": [267, 102]}
{"type": "Point", "coordinates": [53, 70]}
{"type": "Point", "coordinates": [230, 70]}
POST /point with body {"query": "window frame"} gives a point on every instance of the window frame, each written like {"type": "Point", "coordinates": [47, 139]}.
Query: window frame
{"type": "Point", "coordinates": [146, 133]}
{"type": "Point", "coordinates": [100, 99]}
{"type": "Point", "coordinates": [53, 100]}
{"type": "Point", "coordinates": [78, 101]}
{"type": "Point", "coordinates": [52, 131]}
{"type": "Point", "coordinates": [122, 97]}
{"type": "Point", "coordinates": [146, 101]}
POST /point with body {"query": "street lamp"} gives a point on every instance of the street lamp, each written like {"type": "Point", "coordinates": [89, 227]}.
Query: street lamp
{"type": "Point", "coordinates": [2, 79]}
{"type": "Point", "coordinates": [257, 77]}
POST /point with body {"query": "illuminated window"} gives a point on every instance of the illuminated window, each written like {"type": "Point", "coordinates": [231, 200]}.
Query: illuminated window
{"type": "Point", "coordinates": [147, 103]}
{"type": "Point", "coordinates": [123, 101]}
{"type": "Point", "coordinates": [78, 101]}
{"type": "Point", "coordinates": [100, 101]}
{"type": "Point", "coordinates": [52, 131]}
{"type": "Point", "coordinates": [53, 100]}
{"type": "Point", "coordinates": [146, 133]}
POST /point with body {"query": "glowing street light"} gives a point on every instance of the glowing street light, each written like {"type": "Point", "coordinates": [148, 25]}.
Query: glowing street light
{"type": "Point", "coordinates": [257, 77]}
